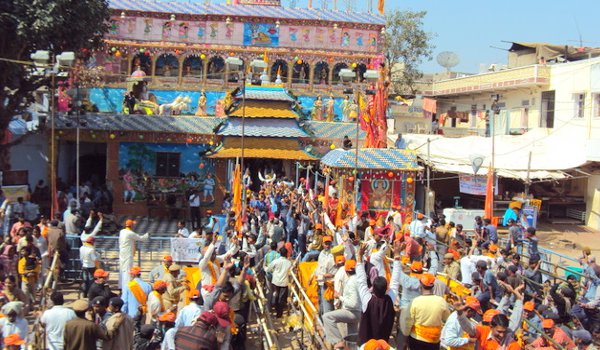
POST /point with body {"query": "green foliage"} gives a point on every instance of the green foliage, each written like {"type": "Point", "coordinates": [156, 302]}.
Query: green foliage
{"type": "Point", "coordinates": [139, 154]}
{"type": "Point", "coordinates": [406, 43]}
{"type": "Point", "coordinates": [30, 25]}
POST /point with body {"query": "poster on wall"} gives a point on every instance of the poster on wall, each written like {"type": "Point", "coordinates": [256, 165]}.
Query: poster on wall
{"type": "Point", "coordinates": [380, 193]}
{"type": "Point", "coordinates": [261, 34]}
{"type": "Point", "coordinates": [475, 185]}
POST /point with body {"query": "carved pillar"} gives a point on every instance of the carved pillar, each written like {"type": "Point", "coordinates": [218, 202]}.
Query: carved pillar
{"type": "Point", "coordinates": [153, 62]}
{"type": "Point", "coordinates": [290, 73]}
{"type": "Point", "coordinates": [330, 75]}
{"type": "Point", "coordinates": [180, 59]}
{"type": "Point", "coordinates": [226, 77]}
{"type": "Point", "coordinates": [129, 64]}
{"type": "Point", "coordinates": [311, 75]}
{"type": "Point", "coordinates": [204, 71]}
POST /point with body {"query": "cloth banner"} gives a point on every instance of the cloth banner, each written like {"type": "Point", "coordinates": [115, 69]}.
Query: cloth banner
{"type": "Point", "coordinates": [472, 184]}
{"type": "Point", "coordinates": [310, 286]}
{"type": "Point", "coordinates": [185, 249]}
{"type": "Point", "coordinates": [13, 192]}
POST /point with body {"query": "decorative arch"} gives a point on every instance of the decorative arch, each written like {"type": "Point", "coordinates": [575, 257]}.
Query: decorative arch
{"type": "Point", "coordinates": [143, 61]}
{"type": "Point", "coordinates": [192, 67]}
{"type": "Point", "coordinates": [282, 66]}
{"type": "Point", "coordinates": [336, 72]}
{"type": "Point", "coordinates": [167, 65]}
{"type": "Point", "coordinates": [321, 73]}
{"type": "Point", "coordinates": [300, 72]}
{"type": "Point", "coordinates": [216, 68]}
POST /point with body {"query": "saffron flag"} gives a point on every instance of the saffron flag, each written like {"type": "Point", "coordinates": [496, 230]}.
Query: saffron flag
{"type": "Point", "coordinates": [381, 6]}
{"type": "Point", "coordinates": [237, 189]}
{"type": "Point", "coordinates": [488, 211]}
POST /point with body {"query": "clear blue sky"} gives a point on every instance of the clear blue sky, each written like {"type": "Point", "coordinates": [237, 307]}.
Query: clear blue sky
{"type": "Point", "coordinates": [470, 27]}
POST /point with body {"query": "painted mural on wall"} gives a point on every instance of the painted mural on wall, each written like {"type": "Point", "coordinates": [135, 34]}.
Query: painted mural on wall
{"type": "Point", "coordinates": [109, 100]}
{"type": "Point", "coordinates": [153, 171]}
{"type": "Point", "coordinates": [261, 34]}
{"type": "Point", "coordinates": [236, 33]}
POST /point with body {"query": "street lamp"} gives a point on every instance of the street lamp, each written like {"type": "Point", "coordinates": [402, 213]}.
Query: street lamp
{"type": "Point", "coordinates": [52, 68]}
{"type": "Point", "coordinates": [235, 63]}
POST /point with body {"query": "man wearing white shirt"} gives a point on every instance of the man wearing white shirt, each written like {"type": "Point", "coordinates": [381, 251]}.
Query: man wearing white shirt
{"type": "Point", "coordinates": [182, 231]}
{"type": "Point", "coordinates": [324, 273]}
{"type": "Point", "coordinates": [452, 333]}
{"type": "Point", "coordinates": [417, 227]}
{"type": "Point", "coordinates": [87, 230]}
{"type": "Point", "coordinates": [194, 202]}
{"type": "Point", "coordinates": [54, 320]}
{"type": "Point", "coordinates": [190, 312]}
{"type": "Point", "coordinates": [378, 313]}
{"type": "Point", "coordinates": [89, 262]}
{"type": "Point", "coordinates": [210, 268]}
{"type": "Point", "coordinates": [396, 218]}
{"type": "Point", "coordinates": [467, 266]}
{"type": "Point", "coordinates": [280, 268]}
{"type": "Point", "coordinates": [349, 313]}
{"type": "Point", "coordinates": [127, 240]}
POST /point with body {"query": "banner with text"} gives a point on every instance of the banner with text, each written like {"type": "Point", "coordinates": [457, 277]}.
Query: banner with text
{"type": "Point", "coordinates": [185, 249]}
{"type": "Point", "coordinates": [476, 185]}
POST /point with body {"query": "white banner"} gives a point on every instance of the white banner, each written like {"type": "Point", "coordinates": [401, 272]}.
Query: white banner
{"type": "Point", "coordinates": [476, 185]}
{"type": "Point", "coordinates": [185, 249]}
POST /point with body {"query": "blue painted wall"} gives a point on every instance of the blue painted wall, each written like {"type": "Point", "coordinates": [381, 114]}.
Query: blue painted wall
{"type": "Point", "coordinates": [133, 155]}
{"type": "Point", "coordinates": [110, 100]}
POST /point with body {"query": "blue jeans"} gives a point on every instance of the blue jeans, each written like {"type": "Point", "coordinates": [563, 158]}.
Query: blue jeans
{"type": "Point", "coordinates": [128, 195]}
{"type": "Point", "coordinates": [313, 255]}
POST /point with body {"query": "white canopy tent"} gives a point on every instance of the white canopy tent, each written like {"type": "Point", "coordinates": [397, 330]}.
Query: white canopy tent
{"type": "Point", "coordinates": [551, 154]}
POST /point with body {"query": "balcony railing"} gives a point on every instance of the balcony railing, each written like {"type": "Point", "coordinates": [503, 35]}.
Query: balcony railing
{"type": "Point", "coordinates": [492, 81]}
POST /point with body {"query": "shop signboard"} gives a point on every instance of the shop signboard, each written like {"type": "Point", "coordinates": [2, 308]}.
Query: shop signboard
{"type": "Point", "coordinates": [473, 184]}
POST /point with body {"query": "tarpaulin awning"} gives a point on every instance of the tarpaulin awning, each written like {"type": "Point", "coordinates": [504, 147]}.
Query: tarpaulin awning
{"type": "Point", "coordinates": [551, 157]}
{"type": "Point", "coordinates": [372, 158]}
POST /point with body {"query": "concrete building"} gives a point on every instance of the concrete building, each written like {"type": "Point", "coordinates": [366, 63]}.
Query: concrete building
{"type": "Point", "coordinates": [551, 90]}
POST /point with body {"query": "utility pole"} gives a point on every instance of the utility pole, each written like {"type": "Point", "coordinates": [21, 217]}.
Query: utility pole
{"type": "Point", "coordinates": [428, 190]}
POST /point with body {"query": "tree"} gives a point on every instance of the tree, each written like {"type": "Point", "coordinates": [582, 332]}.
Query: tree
{"type": "Point", "coordinates": [30, 25]}
{"type": "Point", "coordinates": [408, 44]}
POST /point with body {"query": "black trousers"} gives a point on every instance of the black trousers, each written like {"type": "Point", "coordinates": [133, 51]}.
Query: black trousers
{"type": "Point", "coordinates": [414, 344]}
{"type": "Point", "coordinates": [281, 295]}
{"type": "Point", "coordinates": [195, 217]}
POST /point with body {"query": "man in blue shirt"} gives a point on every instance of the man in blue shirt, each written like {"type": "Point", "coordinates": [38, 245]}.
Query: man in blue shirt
{"type": "Point", "coordinates": [400, 142]}
{"type": "Point", "coordinates": [490, 230]}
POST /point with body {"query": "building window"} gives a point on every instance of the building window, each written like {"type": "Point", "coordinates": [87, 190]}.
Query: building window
{"type": "Point", "coordinates": [596, 101]}
{"type": "Point", "coordinates": [167, 164]}
{"type": "Point", "coordinates": [547, 114]}
{"type": "Point", "coordinates": [579, 105]}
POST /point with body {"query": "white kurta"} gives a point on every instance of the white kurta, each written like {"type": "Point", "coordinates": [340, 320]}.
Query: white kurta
{"type": "Point", "coordinates": [127, 239]}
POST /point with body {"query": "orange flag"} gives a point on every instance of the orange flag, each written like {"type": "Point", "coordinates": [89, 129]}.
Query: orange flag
{"type": "Point", "coordinates": [237, 189]}
{"type": "Point", "coordinates": [489, 194]}
{"type": "Point", "coordinates": [380, 6]}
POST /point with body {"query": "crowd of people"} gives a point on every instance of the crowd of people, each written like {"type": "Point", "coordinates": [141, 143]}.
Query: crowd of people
{"type": "Point", "coordinates": [383, 281]}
